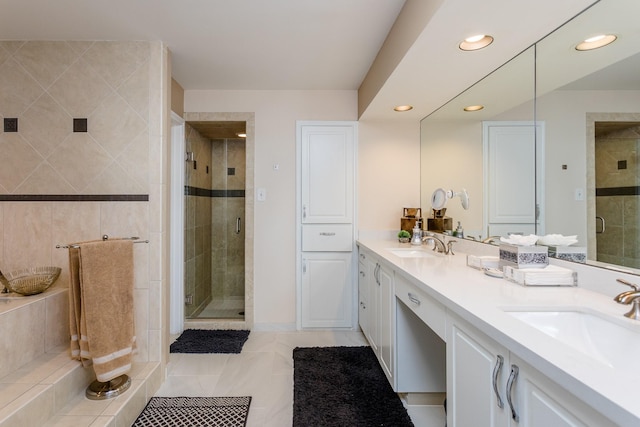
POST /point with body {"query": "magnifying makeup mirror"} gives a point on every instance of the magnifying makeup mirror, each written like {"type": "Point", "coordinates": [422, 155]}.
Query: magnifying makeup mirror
{"type": "Point", "coordinates": [440, 196]}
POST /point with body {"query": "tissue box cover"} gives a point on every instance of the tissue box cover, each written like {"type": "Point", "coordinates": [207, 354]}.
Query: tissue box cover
{"type": "Point", "coordinates": [569, 253]}
{"type": "Point", "coordinates": [524, 256]}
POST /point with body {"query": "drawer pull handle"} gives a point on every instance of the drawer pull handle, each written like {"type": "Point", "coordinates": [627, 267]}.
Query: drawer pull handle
{"type": "Point", "coordinates": [413, 298]}
{"type": "Point", "coordinates": [326, 233]}
{"type": "Point", "coordinates": [496, 372]}
{"type": "Point", "coordinates": [512, 379]}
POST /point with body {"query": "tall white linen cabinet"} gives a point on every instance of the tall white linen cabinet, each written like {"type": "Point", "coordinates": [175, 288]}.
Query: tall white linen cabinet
{"type": "Point", "coordinates": [326, 229]}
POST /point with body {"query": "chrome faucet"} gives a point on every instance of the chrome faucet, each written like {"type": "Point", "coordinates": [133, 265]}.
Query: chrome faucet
{"type": "Point", "coordinates": [491, 239]}
{"type": "Point", "coordinates": [630, 297]}
{"type": "Point", "coordinates": [439, 245]}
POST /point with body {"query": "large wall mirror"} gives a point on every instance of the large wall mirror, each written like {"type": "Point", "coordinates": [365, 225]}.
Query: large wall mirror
{"type": "Point", "coordinates": [555, 150]}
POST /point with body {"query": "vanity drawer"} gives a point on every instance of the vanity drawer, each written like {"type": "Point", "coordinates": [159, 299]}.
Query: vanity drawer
{"type": "Point", "coordinates": [431, 312]}
{"type": "Point", "coordinates": [327, 238]}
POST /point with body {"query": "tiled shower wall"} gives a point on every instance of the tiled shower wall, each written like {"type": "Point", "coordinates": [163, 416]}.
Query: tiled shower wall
{"type": "Point", "coordinates": [60, 186]}
{"type": "Point", "coordinates": [197, 236]}
{"type": "Point", "coordinates": [619, 244]}
{"type": "Point", "coordinates": [229, 176]}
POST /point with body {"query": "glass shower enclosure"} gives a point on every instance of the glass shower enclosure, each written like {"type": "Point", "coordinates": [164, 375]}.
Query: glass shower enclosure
{"type": "Point", "coordinates": [214, 222]}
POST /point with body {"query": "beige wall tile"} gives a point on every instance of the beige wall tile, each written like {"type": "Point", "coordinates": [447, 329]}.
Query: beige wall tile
{"type": "Point", "coordinates": [45, 60]}
{"type": "Point", "coordinates": [125, 219]}
{"type": "Point", "coordinates": [45, 125]}
{"type": "Point", "coordinates": [56, 327]}
{"type": "Point", "coordinates": [116, 61]}
{"type": "Point", "coordinates": [17, 352]}
{"type": "Point", "coordinates": [114, 124]}
{"type": "Point", "coordinates": [18, 90]}
{"type": "Point", "coordinates": [72, 222]}
{"type": "Point", "coordinates": [79, 159]}
{"type": "Point", "coordinates": [135, 90]}
{"type": "Point", "coordinates": [44, 180]}
{"type": "Point", "coordinates": [27, 235]}
{"type": "Point", "coordinates": [19, 160]}
{"type": "Point", "coordinates": [80, 89]}
{"type": "Point", "coordinates": [135, 160]}
{"type": "Point", "coordinates": [114, 180]}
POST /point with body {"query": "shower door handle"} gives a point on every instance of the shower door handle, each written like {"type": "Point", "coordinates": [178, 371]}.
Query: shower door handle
{"type": "Point", "coordinates": [238, 222]}
{"type": "Point", "coordinates": [601, 219]}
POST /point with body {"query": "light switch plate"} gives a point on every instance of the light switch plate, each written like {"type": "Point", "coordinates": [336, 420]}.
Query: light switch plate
{"type": "Point", "coordinates": [261, 194]}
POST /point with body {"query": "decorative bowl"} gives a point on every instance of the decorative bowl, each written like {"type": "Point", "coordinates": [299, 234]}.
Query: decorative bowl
{"type": "Point", "coordinates": [30, 281]}
{"type": "Point", "coordinates": [404, 239]}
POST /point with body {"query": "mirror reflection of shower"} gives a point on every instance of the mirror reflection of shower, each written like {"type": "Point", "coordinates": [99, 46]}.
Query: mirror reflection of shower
{"type": "Point", "coordinates": [617, 175]}
{"type": "Point", "coordinates": [214, 220]}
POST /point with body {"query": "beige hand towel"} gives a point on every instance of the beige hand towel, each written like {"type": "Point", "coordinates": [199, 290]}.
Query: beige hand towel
{"type": "Point", "coordinates": [105, 325]}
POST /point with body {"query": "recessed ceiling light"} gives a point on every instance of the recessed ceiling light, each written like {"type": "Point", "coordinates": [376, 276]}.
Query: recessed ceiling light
{"type": "Point", "coordinates": [596, 42]}
{"type": "Point", "coordinates": [476, 42]}
{"type": "Point", "coordinates": [473, 108]}
{"type": "Point", "coordinates": [401, 108]}
{"type": "Point", "coordinates": [241, 135]}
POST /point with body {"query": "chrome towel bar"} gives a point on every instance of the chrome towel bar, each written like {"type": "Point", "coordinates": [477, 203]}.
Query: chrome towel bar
{"type": "Point", "coordinates": [104, 237]}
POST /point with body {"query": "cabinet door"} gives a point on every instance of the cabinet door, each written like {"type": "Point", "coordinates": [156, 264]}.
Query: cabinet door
{"type": "Point", "coordinates": [327, 173]}
{"type": "Point", "coordinates": [476, 378]}
{"type": "Point", "coordinates": [540, 402]}
{"type": "Point", "coordinates": [386, 319]}
{"type": "Point", "coordinates": [326, 290]}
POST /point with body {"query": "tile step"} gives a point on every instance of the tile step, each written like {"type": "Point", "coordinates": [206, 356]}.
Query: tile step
{"type": "Point", "coordinates": [50, 391]}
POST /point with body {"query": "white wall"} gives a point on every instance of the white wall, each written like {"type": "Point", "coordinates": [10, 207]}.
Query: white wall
{"type": "Point", "coordinates": [388, 173]}
{"type": "Point", "coordinates": [276, 113]}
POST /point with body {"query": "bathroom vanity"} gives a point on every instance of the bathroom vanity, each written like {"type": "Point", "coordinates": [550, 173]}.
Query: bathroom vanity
{"type": "Point", "coordinates": [515, 355]}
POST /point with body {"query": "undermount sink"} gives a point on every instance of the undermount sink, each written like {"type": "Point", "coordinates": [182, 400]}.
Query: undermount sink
{"type": "Point", "coordinates": [411, 252]}
{"type": "Point", "coordinates": [613, 343]}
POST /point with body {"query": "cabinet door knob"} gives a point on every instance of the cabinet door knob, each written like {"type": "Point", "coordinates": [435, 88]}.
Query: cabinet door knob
{"type": "Point", "coordinates": [510, 382]}
{"type": "Point", "coordinates": [496, 372]}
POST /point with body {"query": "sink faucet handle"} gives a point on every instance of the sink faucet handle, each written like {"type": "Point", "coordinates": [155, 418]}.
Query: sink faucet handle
{"type": "Point", "coordinates": [631, 285]}
{"type": "Point", "coordinates": [449, 247]}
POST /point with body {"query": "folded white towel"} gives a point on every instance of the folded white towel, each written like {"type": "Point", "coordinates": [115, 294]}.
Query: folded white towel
{"type": "Point", "coordinates": [550, 275]}
{"type": "Point", "coordinates": [557, 240]}
{"type": "Point", "coordinates": [520, 240]}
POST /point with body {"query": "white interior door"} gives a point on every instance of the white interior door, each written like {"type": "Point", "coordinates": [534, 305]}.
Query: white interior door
{"type": "Point", "coordinates": [512, 177]}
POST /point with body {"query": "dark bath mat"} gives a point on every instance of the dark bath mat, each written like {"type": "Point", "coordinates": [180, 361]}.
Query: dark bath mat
{"type": "Point", "coordinates": [209, 341]}
{"type": "Point", "coordinates": [343, 386]}
{"type": "Point", "coordinates": [195, 411]}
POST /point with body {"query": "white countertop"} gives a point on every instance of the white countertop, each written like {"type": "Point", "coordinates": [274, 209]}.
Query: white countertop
{"type": "Point", "coordinates": [482, 300]}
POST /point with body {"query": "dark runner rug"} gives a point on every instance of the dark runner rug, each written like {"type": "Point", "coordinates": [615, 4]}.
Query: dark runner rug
{"type": "Point", "coordinates": [343, 386]}
{"type": "Point", "coordinates": [209, 341]}
{"type": "Point", "coordinates": [195, 411]}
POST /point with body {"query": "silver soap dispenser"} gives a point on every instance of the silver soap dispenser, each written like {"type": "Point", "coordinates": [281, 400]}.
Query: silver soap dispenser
{"type": "Point", "coordinates": [416, 237]}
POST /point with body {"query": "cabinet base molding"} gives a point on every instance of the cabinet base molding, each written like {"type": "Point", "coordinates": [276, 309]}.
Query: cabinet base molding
{"type": "Point", "coordinates": [423, 399]}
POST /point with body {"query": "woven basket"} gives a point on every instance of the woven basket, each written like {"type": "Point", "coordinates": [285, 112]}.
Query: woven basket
{"type": "Point", "coordinates": [31, 281]}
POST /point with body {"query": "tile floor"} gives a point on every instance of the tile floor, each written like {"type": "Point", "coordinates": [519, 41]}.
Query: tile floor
{"type": "Point", "coordinates": [264, 370]}
{"type": "Point", "coordinates": [223, 309]}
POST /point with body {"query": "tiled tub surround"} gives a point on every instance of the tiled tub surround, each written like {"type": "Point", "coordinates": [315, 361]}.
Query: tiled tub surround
{"type": "Point", "coordinates": [40, 384]}
{"type": "Point", "coordinates": [480, 299]}
{"type": "Point", "coordinates": [122, 89]}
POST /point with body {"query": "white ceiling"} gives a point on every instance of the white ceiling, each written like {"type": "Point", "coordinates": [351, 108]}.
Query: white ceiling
{"type": "Point", "coordinates": [226, 44]}
{"type": "Point", "coordinates": [301, 44]}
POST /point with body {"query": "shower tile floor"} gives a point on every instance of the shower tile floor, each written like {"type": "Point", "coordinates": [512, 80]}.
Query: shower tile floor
{"type": "Point", "coordinates": [223, 309]}
{"type": "Point", "coordinates": [264, 370]}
